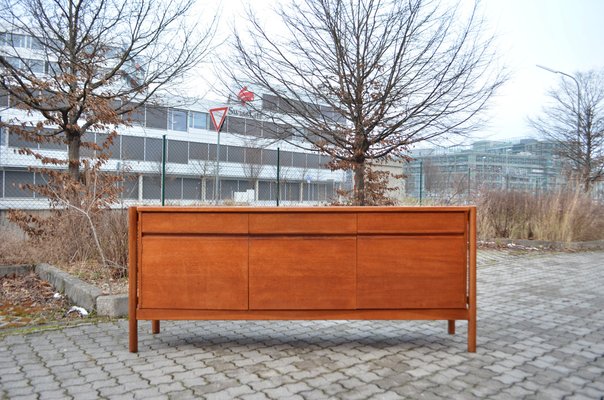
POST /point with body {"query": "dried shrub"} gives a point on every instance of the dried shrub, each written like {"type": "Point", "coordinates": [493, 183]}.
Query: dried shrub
{"type": "Point", "coordinates": [563, 216]}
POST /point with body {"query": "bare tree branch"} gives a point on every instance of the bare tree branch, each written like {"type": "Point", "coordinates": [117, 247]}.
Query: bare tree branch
{"type": "Point", "coordinates": [363, 80]}
{"type": "Point", "coordinates": [577, 132]}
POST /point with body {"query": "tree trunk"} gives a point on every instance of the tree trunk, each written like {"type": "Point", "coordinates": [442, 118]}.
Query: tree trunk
{"type": "Point", "coordinates": [73, 143]}
{"type": "Point", "coordinates": [359, 184]}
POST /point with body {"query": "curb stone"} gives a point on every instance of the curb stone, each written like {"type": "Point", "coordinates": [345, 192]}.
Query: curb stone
{"type": "Point", "coordinates": [7, 270]}
{"type": "Point", "coordinates": [544, 244]}
{"type": "Point", "coordinates": [84, 294]}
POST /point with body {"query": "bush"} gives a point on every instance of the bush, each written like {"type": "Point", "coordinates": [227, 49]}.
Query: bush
{"type": "Point", "coordinates": [562, 216]}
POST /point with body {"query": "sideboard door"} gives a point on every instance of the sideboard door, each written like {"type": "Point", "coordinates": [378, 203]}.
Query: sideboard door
{"type": "Point", "coordinates": [199, 273]}
{"type": "Point", "coordinates": [412, 260]}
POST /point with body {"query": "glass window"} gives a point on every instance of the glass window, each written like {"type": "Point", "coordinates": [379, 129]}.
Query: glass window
{"type": "Point", "coordinates": [152, 187]}
{"type": "Point", "coordinates": [15, 178]}
{"type": "Point", "coordinates": [227, 188]}
{"type": "Point", "coordinates": [209, 189]}
{"type": "Point", "coordinates": [198, 151]}
{"type": "Point", "coordinates": [267, 190]}
{"type": "Point", "coordinates": [113, 149]}
{"type": "Point", "coordinates": [130, 187]}
{"type": "Point", "coordinates": [270, 129]}
{"type": "Point", "coordinates": [236, 125]}
{"type": "Point", "coordinates": [223, 152]}
{"type": "Point", "coordinates": [253, 127]}
{"type": "Point", "coordinates": [173, 188]}
{"type": "Point", "coordinates": [253, 155]}
{"type": "Point", "coordinates": [178, 151]}
{"type": "Point", "coordinates": [54, 143]}
{"type": "Point", "coordinates": [18, 141]}
{"type": "Point", "coordinates": [153, 149]}
{"type": "Point", "coordinates": [178, 120]}
{"type": "Point", "coordinates": [236, 154]}
{"type": "Point", "coordinates": [269, 157]}
{"type": "Point", "coordinates": [299, 160]}
{"type": "Point", "coordinates": [270, 102]}
{"type": "Point", "coordinates": [198, 120]}
{"type": "Point", "coordinates": [85, 150]}
{"type": "Point", "coordinates": [245, 185]}
{"type": "Point", "coordinates": [133, 148]}
{"type": "Point", "coordinates": [285, 158]}
{"type": "Point", "coordinates": [314, 161]}
{"type": "Point", "coordinates": [3, 98]}
{"type": "Point", "coordinates": [191, 189]}
{"type": "Point", "coordinates": [290, 191]}
{"type": "Point", "coordinates": [52, 68]}
{"type": "Point", "coordinates": [1, 182]}
{"type": "Point", "coordinates": [36, 66]}
{"type": "Point", "coordinates": [156, 117]}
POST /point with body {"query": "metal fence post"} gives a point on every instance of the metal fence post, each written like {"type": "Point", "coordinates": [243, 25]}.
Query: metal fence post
{"type": "Point", "coordinates": [278, 175]}
{"type": "Point", "coordinates": [421, 180]}
{"type": "Point", "coordinates": [163, 170]}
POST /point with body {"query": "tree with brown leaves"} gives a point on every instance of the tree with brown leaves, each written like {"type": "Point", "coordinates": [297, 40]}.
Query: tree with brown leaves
{"type": "Point", "coordinates": [85, 66]}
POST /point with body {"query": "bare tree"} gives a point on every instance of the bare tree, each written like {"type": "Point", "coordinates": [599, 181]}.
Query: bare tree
{"type": "Point", "coordinates": [81, 66]}
{"type": "Point", "coordinates": [574, 120]}
{"type": "Point", "coordinates": [364, 80]}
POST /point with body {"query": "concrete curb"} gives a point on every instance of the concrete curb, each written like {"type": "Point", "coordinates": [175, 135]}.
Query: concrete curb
{"type": "Point", "coordinates": [7, 270]}
{"type": "Point", "coordinates": [84, 294]}
{"type": "Point", "coordinates": [543, 244]}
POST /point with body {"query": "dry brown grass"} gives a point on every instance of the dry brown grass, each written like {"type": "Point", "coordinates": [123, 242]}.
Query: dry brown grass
{"type": "Point", "coordinates": [66, 239]}
{"type": "Point", "coordinates": [563, 216]}
{"type": "Point", "coordinates": [14, 249]}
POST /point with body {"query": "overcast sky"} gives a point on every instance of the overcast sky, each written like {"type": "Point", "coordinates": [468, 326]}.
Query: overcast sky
{"type": "Point", "coordinates": [565, 35]}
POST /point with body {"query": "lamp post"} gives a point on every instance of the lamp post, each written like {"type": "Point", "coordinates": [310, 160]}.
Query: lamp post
{"type": "Point", "coordinates": [578, 99]}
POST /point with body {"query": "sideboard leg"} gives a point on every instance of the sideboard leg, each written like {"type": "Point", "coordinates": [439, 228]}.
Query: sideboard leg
{"type": "Point", "coordinates": [133, 334]}
{"type": "Point", "coordinates": [155, 326]}
{"type": "Point", "coordinates": [472, 335]}
{"type": "Point", "coordinates": [451, 327]}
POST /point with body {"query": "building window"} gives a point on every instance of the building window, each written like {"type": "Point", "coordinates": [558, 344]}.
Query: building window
{"type": "Point", "coordinates": [178, 120]}
{"type": "Point", "coordinates": [153, 149]}
{"type": "Point", "coordinates": [178, 152]}
{"type": "Point", "coordinates": [198, 120]}
{"type": "Point", "coordinates": [133, 148]}
{"type": "Point", "coordinates": [13, 180]}
{"type": "Point", "coordinates": [157, 117]}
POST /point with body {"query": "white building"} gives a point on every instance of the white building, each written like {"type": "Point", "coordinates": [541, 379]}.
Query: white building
{"type": "Point", "coordinates": [247, 163]}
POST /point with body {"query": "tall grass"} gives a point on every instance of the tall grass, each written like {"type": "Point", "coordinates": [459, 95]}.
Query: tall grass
{"type": "Point", "coordinates": [562, 216]}
{"type": "Point", "coordinates": [66, 237]}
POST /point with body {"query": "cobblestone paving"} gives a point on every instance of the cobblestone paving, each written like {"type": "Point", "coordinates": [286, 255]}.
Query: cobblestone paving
{"type": "Point", "coordinates": [540, 335]}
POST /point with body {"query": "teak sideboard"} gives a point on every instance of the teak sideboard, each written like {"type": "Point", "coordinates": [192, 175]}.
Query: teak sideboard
{"type": "Point", "coordinates": [345, 263]}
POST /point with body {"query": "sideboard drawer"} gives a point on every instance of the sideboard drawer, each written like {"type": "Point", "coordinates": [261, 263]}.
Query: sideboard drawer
{"type": "Point", "coordinates": [191, 222]}
{"type": "Point", "coordinates": [320, 223]}
{"type": "Point", "coordinates": [412, 222]}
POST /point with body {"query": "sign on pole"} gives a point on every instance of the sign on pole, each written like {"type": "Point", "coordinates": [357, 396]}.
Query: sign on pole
{"type": "Point", "coordinates": [218, 115]}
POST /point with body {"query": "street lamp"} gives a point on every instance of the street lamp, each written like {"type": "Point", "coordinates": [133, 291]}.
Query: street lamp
{"type": "Point", "coordinates": [578, 99]}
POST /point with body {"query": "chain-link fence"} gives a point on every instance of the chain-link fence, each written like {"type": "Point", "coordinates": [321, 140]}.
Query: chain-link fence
{"type": "Point", "coordinates": [177, 170]}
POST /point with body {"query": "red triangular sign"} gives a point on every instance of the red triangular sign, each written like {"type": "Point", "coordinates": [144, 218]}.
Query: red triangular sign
{"type": "Point", "coordinates": [218, 115]}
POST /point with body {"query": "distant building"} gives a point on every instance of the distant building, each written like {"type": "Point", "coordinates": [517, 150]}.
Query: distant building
{"type": "Point", "coordinates": [457, 172]}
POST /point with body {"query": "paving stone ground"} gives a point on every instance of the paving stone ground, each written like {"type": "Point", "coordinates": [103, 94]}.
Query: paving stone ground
{"type": "Point", "coordinates": [540, 336]}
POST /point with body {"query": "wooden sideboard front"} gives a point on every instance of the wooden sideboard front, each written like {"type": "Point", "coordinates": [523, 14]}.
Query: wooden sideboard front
{"type": "Point", "coordinates": [225, 263]}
